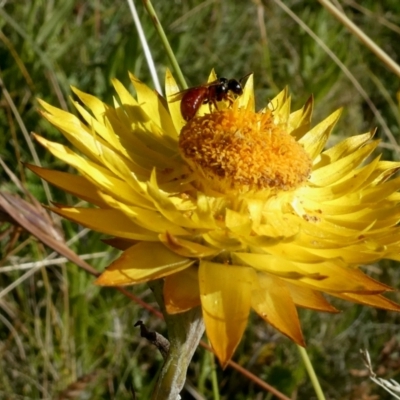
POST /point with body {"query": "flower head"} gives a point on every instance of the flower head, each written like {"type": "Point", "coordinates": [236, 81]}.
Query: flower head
{"type": "Point", "coordinates": [235, 209]}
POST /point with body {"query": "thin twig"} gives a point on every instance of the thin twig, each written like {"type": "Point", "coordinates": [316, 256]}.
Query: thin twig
{"type": "Point", "coordinates": [155, 338]}
{"type": "Point", "coordinates": [26, 135]}
{"type": "Point", "coordinates": [346, 71]}
{"type": "Point", "coordinates": [366, 40]}
{"type": "Point", "coordinates": [160, 30]}
{"type": "Point", "coordinates": [146, 48]}
{"type": "Point", "coordinates": [390, 385]}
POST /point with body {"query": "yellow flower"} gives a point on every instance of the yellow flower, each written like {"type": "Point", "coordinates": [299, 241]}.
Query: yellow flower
{"type": "Point", "coordinates": [235, 210]}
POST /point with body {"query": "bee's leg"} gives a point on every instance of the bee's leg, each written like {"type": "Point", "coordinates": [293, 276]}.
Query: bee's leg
{"type": "Point", "coordinates": [215, 104]}
{"type": "Point", "coordinates": [231, 100]}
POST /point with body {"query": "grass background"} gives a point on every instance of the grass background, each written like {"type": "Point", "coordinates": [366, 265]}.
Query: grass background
{"type": "Point", "coordinates": [63, 338]}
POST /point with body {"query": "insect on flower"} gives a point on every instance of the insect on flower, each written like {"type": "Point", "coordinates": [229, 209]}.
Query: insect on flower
{"type": "Point", "coordinates": [209, 93]}
{"type": "Point", "coordinates": [273, 209]}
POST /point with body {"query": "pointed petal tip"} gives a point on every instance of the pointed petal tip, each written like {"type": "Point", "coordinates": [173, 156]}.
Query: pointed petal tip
{"type": "Point", "coordinates": [329, 309]}
{"type": "Point", "coordinates": [99, 281]}
{"type": "Point", "coordinates": [75, 90]}
{"type": "Point", "coordinates": [107, 279]}
{"type": "Point", "coordinates": [302, 344]}
{"type": "Point", "coordinates": [223, 359]}
{"type": "Point", "coordinates": [224, 356]}
{"type": "Point", "coordinates": [102, 280]}
{"type": "Point", "coordinates": [300, 340]}
{"type": "Point", "coordinates": [133, 77]}
{"type": "Point", "coordinates": [223, 364]}
{"type": "Point", "coordinates": [168, 72]}
{"type": "Point", "coordinates": [173, 309]}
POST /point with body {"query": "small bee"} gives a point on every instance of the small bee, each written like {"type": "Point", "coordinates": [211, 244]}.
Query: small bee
{"type": "Point", "coordinates": [209, 93]}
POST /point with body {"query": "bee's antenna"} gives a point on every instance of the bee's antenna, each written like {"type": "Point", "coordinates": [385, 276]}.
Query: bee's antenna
{"type": "Point", "coordinates": [241, 80]}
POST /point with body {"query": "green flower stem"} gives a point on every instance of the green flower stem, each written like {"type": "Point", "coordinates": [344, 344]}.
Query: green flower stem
{"type": "Point", "coordinates": [178, 72]}
{"type": "Point", "coordinates": [311, 373]}
{"type": "Point", "coordinates": [184, 333]}
{"type": "Point", "coordinates": [214, 379]}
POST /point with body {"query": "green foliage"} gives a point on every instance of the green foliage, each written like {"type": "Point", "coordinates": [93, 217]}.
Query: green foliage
{"type": "Point", "coordinates": [57, 330]}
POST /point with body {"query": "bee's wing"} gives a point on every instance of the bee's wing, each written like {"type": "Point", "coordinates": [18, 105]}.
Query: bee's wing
{"type": "Point", "coordinates": [178, 96]}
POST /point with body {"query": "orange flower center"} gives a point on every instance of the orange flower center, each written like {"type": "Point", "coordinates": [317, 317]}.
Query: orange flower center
{"type": "Point", "coordinates": [237, 150]}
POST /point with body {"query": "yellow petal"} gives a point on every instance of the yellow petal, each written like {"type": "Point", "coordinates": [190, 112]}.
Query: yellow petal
{"type": "Point", "coordinates": [212, 77]}
{"type": "Point", "coordinates": [155, 107]}
{"type": "Point", "coordinates": [345, 147]}
{"type": "Point", "coordinates": [74, 184]}
{"type": "Point", "coordinates": [329, 276]}
{"type": "Point", "coordinates": [336, 170]}
{"type": "Point", "coordinates": [98, 175]}
{"type": "Point", "coordinates": [101, 112]}
{"type": "Point", "coordinates": [384, 171]}
{"type": "Point", "coordinates": [308, 298]}
{"type": "Point", "coordinates": [225, 292]}
{"type": "Point", "coordinates": [181, 291]}
{"type": "Point", "coordinates": [238, 222]}
{"type": "Point", "coordinates": [87, 141]}
{"type": "Point", "coordinates": [220, 240]}
{"type": "Point", "coordinates": [169, 210]}
{"type": "Point", "coordinates": [300, 120]}
{"type": "Point", "coordinates": [280, 105]}
{"type": "Point", "coordinates": [187, 248]}
{"type": "Point", "coordinates": [355, 180]}
{"type": "Point", "coordinates": [147, 219]}
{"type": "Point", "coordinates": [377, 300]}
{"type": "Point", "coordinates": [142, 262]}
{"type": "Point", "coordinates": [119, 243]}
{"type": "Point", "coordinates": [272, 301]}
{"type": "Point", "coordinates": [134, 148]}
{"type": "Point", "coordinates": [315, 139]}
{"type": "Point", "coordinates": [109, 221]}
{"type": "Point", "coordinates": [365, 254]}
{"type": "Point", "coordinates": [96, 106]}
{"type": "Point", "coordinates": [382, 191]}
{"type": "Point", "coordinates": [246, 100]}
{"type": "Point", "coordinates": [171, 92]}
